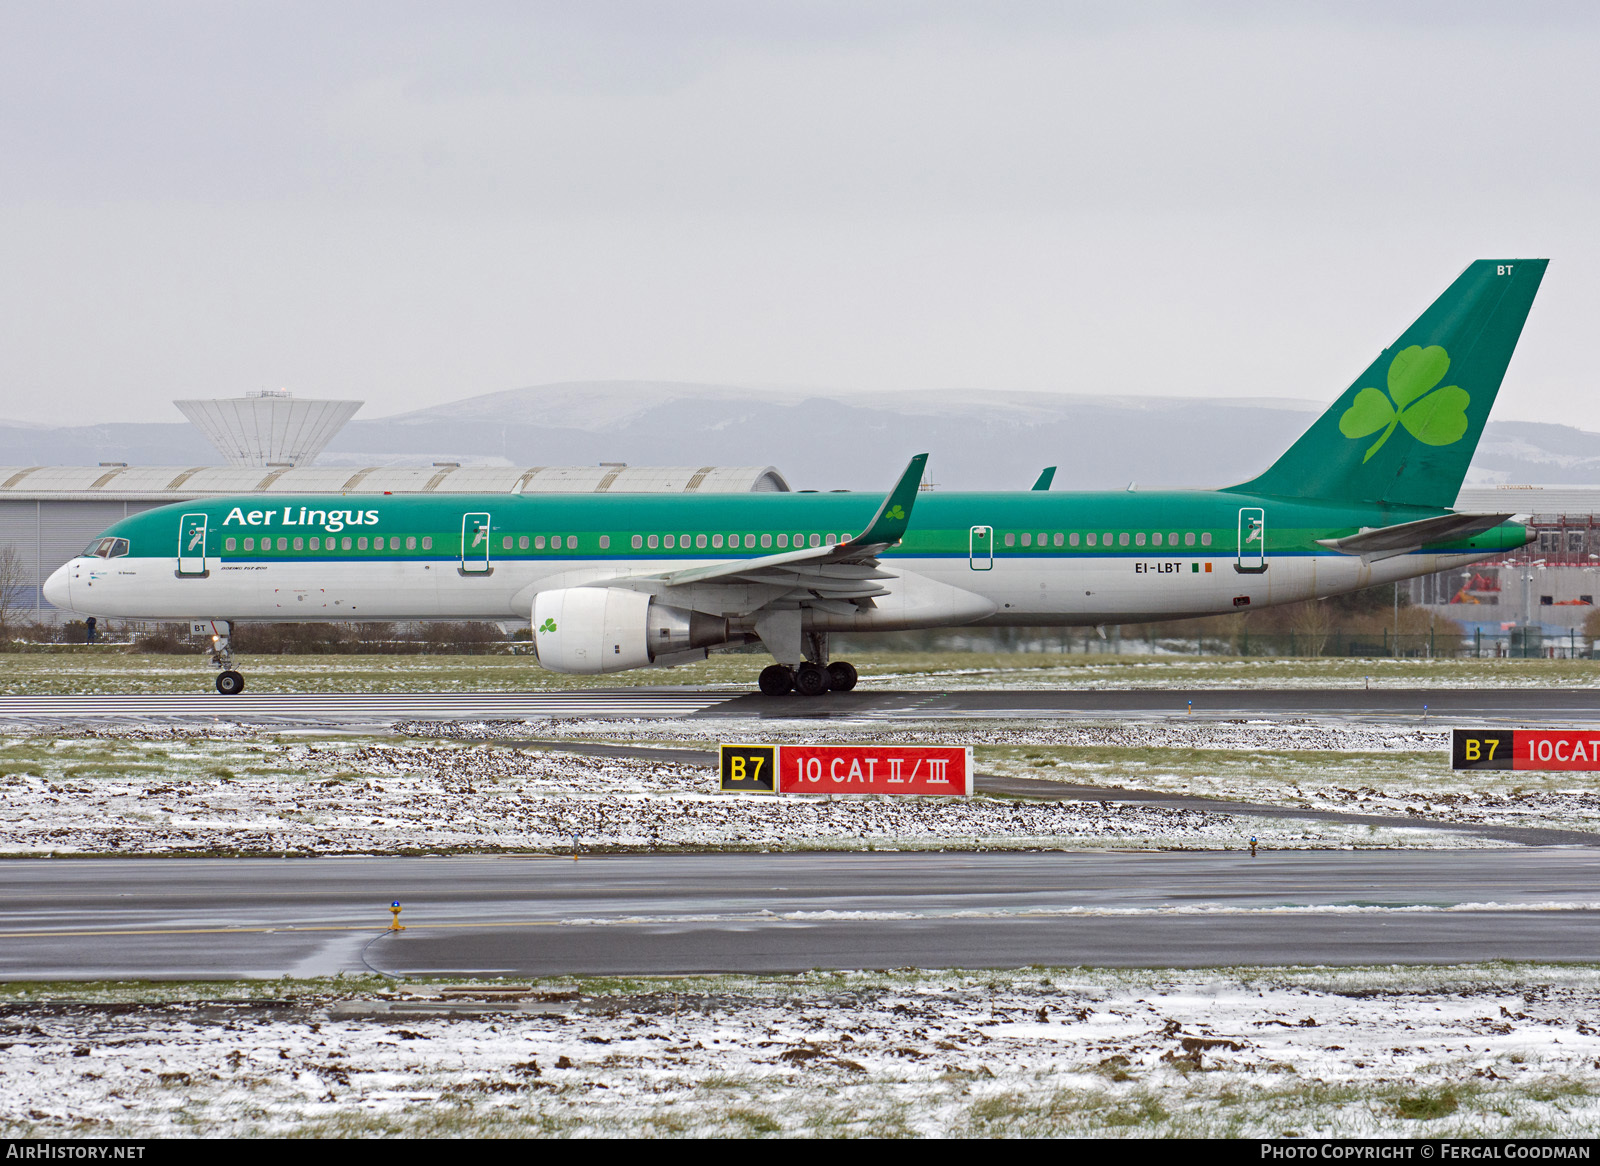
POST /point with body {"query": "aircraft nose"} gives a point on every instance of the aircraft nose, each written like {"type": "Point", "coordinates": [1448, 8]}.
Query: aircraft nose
{"type": "Point", "coordinates": [58, 588]}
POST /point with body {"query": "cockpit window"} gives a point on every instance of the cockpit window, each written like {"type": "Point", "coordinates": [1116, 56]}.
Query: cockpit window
{"type": "Point", "coordinates": [107, 548]}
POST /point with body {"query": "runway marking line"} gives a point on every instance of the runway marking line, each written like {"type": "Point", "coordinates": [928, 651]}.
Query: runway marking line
{"type": "Point", "coordinates": [267, 930]}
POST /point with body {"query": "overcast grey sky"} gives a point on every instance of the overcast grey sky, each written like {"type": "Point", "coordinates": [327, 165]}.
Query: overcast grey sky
{"type": "Point", "coordinates": [411, 202]}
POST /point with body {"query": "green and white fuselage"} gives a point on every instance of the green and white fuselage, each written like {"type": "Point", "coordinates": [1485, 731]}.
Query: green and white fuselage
{"type": "Point", "coordinates": [1022, 558]}
{"type": "Point", "coordinates": [617, 582]}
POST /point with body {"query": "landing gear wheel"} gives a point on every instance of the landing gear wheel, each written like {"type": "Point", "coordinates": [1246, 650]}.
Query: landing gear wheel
{"type": "Point", "coordinates": [811, 679]}
{"type": "Point", "coordinates": [230, 683]}
{"type": "Point", "coordinates": [776, 679]}
{"type": "Point", "coordinates": [841, 676]}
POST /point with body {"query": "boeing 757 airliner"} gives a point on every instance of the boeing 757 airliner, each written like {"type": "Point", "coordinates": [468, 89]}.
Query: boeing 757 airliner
{"type": "Point", "coordinates": [617, 582]}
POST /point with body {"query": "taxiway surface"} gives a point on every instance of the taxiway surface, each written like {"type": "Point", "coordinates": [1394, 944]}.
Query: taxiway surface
{"type": "Point", "coordinates": [1487, 706]}
{"type": "Point", "coordinates": [654, 914]}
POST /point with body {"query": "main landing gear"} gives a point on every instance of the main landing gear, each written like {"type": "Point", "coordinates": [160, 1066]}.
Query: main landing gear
{"type": "Point", "coordinates": [230, 682]}
{"type": "Point", "coordinates": [809, 679]}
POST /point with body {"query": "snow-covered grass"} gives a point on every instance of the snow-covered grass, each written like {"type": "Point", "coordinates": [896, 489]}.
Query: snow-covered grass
{"type": "Point", "coordinates": [236, 790]}
{"type": "Point", "coordinates": [100, 671]}
{"type": "Point", "coordinates": [1485, 1050]}
{"type": "Point", "coordinates": [1326, 764]}
{"type": "Point", "coordinates": [239, 791]}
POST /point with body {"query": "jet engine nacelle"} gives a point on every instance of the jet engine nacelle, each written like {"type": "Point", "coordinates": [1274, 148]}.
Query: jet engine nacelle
{"type": "Point", "coordinates": [590, 630]}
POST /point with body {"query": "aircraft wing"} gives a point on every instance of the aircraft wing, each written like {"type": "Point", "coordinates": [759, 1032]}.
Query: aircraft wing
{"type": "Point", "coordinates": [1385, 542]}
{"type": "Point", "coordinates": [831, 577]}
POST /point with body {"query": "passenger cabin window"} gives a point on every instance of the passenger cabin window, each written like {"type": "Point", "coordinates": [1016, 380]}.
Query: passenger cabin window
{"type": "Point", "coordinates": [1073, 539]}
{"type": "Point", "coordinates": [572, 542]}
{"type": "Point", "coordinates": [716, 541]}
{"type": "Point", "coordinates": [1057, 539]}
{"type": "Point", "coordinates": [249, 544]}
{"type": "Point", "coordinates": [766, 541]}
{"type": "Point", "coordinates": [1027, 540]}
{"type": "Point", "coordinates": [1188, 539]}
{"type": "Point", "coordinates": [411, 543]}
{"type": "Point", "coordinates": [1138, 539]}
{"type": "Point", "coordinates": [783, 540]}
{"type": "Point", "coordinates": [1011, 540]}
{"type": "Point", "coordinates": [1205, 539]}
{"type": "Point", "coordinates": [231, 544]}
{"type": "Point", "coordinates": [1155, 539]}
{"type": "Point", "coordinates": [700, 541]}
{"type": "Point", "coordinates": [299, 544]}
{"type": "Point", "coordinates": [605, 542]}
{"type": "Point", "coordinates": [316, 543]}
{"type": "Point", "coordinates": [1092, 540]}
{"type": "Point", "coordinates": [1122, 539]}
{"type": "Point", "coordinates": [638, 541]}
{"type": "Point", "coordinates": [538, 543]}
{"type": "Point", "coordinates": [427, 542]}
{"type": "Point", "coordinates": [669, 541]}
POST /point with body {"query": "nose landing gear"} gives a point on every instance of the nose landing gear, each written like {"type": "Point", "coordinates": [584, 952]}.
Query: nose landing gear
{"type": "Point", "coordinates": [229, 681]}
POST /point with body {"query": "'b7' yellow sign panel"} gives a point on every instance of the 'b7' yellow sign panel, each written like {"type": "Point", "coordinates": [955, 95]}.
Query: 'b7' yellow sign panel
{"type": "Point", "coordinates": [749, 769]}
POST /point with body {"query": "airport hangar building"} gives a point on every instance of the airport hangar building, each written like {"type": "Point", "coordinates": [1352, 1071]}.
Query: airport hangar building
{"type": "Point", "coordinates": [48, 514]}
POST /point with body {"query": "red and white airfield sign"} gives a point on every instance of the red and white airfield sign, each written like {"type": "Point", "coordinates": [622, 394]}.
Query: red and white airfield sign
{"type": "Point", "coordinates": [938, 770]}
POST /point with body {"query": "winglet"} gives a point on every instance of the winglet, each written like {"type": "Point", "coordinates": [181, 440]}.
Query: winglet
{"type": "Point", "coordinates": [888, 526]}
{"type": "Point", "coordinates": [1045, 478]}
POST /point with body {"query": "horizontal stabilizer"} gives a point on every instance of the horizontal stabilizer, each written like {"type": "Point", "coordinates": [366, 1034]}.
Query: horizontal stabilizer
{"type": "Point", "coordinates": [1385, 542]}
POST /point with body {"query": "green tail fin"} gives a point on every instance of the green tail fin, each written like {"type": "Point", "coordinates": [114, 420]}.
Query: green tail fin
{"type": "Point", "coordinates": [1406, 430]}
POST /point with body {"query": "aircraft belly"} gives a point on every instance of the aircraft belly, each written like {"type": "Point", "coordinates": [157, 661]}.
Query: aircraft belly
{"type": "Point", "coordinates": [292, 592]}
{"type": "Point", "coordinates": [1086, 591]}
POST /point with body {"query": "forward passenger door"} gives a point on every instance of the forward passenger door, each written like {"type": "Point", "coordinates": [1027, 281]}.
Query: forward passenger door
{"type": "Point", "coordinates": [192, 546]}
{"type": "Point", "coordinates": [475, 545]}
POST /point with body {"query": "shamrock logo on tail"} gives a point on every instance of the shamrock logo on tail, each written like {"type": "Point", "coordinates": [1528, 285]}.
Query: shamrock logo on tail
{"type": "Point", "coordinates": [548, 625]}
{"type": "Point", "coordinates": [1432, 415]}
{"type": "Point", "coordinates": [896, 512]}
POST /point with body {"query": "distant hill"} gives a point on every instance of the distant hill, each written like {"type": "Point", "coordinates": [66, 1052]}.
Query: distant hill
{"type": "Point", "coordinates": [978, 440]}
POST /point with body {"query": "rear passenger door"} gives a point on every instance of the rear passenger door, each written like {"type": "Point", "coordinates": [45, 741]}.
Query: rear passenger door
{"type": "Point", "coordinates": [980, 548]}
